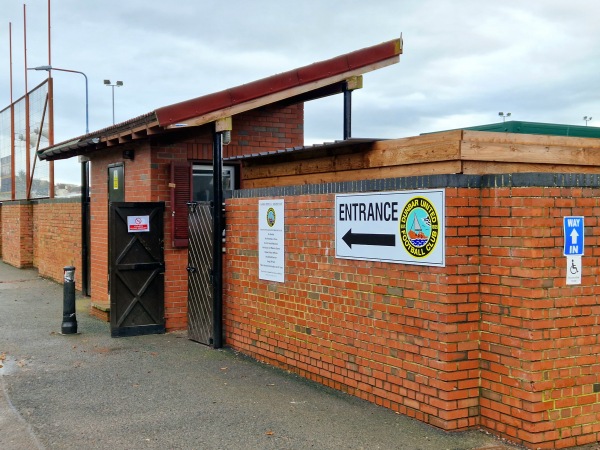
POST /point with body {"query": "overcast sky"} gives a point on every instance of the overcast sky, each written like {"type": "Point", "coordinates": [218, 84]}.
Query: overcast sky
{"type": "Point", "coordinates": [463, 62]}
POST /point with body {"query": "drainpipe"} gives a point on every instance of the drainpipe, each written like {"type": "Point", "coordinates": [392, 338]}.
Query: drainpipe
{"type": "Point", "coordinates": [85, 198]}
{"type": "Point", "coordinates": [221, 136]}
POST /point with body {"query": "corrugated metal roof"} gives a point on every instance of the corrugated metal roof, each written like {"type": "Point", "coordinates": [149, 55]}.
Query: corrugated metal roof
{"type": "Point", "coordinates": [315, 147]}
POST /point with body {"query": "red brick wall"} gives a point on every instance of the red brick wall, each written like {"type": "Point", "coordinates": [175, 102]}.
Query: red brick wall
{"type": "Point", "coordinates": [268, 128]}
{"type": "Point", "coordinates": [99, 224]}
{"type": "Point", "coordinates": [45, 234]}
{"type": "Point", "coordinates": [164, 153]}
{"type": "Point", "coordinates": [405, 337]}
{"type": "Point", "coordinates": [17, 233]}
{"type": "Point", "coordinates": [265, 129]}
{"type": "Point", "coordinates": [496, 338]}
{"type": "Point", "coordinates": [57, 238]}
{"type": "Point", "coordinates": [540, 350]}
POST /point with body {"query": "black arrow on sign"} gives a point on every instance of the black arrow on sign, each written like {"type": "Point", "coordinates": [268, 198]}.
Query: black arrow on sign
{"type": "Point", "coordinates": [382, 240]}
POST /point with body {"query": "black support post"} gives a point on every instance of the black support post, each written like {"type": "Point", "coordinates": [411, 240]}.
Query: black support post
{"type": "Point", "coordinates": [217, 240]}
{"type": "Point", "coordinates": [347, 113]}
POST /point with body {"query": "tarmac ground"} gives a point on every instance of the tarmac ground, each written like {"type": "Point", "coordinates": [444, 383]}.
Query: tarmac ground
{"type": "Point", "coordinates": [91, 391]}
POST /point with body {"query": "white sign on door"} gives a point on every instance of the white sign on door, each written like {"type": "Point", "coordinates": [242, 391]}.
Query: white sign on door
{"type": "Point", "coordinates": [402, 227]}
{"type": "Point", "coordinates": [138, 224]}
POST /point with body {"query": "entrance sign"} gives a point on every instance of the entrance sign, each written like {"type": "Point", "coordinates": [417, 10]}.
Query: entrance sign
{"type": "Point", "coordinates": [573, 228]}
{"type": "Point", "coordinates": [271, 240]}
{"type": "Point", "coordinates": [138, 224]}
{"type": "Point", "coordinates": [405, 227]}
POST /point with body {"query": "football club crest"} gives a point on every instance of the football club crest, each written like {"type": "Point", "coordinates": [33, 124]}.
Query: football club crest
{"type": "Point", "coordinates": [419, 227]}
{"type": "Point", "coordinates": [271, 216]}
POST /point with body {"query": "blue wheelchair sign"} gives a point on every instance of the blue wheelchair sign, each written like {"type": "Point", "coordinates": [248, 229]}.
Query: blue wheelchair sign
{"type": "Point", "coordinates": [573, 228]}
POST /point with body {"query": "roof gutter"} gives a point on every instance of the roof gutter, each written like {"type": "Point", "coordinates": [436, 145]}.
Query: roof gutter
{"type": "Point", "coordinates": [69, 146]}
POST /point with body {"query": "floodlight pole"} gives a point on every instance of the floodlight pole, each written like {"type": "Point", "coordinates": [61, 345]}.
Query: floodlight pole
{"type": "Point", "coordinates": [504, 116]}
{"type": "Point", "coordinates": [117, 84]}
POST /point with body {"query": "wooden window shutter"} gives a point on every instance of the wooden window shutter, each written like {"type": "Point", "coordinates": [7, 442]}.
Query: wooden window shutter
{"type": "Point", "coordinates": [181, 194]}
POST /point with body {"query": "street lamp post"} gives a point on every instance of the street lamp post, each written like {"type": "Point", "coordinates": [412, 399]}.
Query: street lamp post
{"type": "Point", "coordinates": [117, 84]}
{"type": "Point", "coordinates": [587, 119]}
{"type": "Point", "coordinates": [87, 116]}
{"type": "Point", "coordinates": [85, 186]}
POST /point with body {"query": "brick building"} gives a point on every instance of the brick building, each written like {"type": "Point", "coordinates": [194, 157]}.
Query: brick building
{"type": "Point", "coordinates": [165, 155]}
{"type": "Point", "coordinates": [494, 335]}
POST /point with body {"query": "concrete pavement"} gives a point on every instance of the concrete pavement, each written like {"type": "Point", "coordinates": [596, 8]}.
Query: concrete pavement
{"type": "Point", "coordinates": [90, 391]}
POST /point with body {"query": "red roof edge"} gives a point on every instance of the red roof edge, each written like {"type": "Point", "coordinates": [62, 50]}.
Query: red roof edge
{"type": "Point", "coordinates": [178, 112]}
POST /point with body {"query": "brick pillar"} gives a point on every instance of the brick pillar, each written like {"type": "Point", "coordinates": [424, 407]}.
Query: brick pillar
{"type": "Point", "coordinates": [17, 233]}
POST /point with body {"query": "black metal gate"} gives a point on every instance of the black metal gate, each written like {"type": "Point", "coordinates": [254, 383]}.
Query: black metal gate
{"type": "Point", "coordinates": [136, 268]}
{"type": "Point", "coordinates": [200, 265]}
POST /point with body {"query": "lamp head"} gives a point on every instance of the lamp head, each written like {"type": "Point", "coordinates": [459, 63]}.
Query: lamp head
{"type": "Point", "coordinates": [107, 82]}
{"type": "Point", "coordinates": [119, 83]}
{"type": "Point", "coordinates": [47, 68]}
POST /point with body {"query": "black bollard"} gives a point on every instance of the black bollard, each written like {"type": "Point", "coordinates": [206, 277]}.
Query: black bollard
{"type": "Point", "coordinates": [69, 323]}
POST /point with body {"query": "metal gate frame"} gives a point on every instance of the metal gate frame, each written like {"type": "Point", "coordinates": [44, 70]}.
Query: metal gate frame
{"type": "Point", "coordinates": [200, 273]}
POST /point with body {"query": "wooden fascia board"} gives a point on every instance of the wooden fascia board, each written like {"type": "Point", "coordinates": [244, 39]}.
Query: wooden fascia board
{"type": "Point", "coordinates": [533, 139]}
{"type": "Point", "coordinates": [529, 149]}
{"type": "Point", "coordinates": [435, 168]}
{"type": "Point", "coordinates": [436, 147]}
{"type": "Point", "coordinates": [488, 167]}
{"type": "Point", "coordinates": [279, 96]}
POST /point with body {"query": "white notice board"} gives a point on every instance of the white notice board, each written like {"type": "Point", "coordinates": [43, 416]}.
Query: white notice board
{"type": "Point", "coordinates": [271, 240]}
{"type": "Point", "coordinates": [402, 227]}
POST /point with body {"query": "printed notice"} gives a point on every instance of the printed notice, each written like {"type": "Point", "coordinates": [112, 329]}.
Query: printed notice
{"type": "Point", "coordinates": [138, 224]}
{"type": "Point", "coordinates": [271, 240]}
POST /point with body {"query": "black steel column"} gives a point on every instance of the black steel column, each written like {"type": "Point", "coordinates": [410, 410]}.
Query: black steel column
{"type": "Point", "coordinates": [217, 240]}
{"type": "Point", "coordinates": [347, 112]}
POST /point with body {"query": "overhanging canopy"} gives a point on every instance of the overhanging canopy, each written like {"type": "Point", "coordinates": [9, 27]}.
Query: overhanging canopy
{"type": "Point", "coordinates": [302, 84]}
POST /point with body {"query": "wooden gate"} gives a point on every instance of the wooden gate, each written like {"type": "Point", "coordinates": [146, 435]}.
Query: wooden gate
{"type": "Point", "coordinates": [200, 265]}
{"type": "Point", "coordinates": [136, 268]}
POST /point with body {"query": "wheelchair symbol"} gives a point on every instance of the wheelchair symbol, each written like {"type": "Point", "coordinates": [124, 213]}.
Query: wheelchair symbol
{"type": "Point", "coordinates": [573, 269]}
